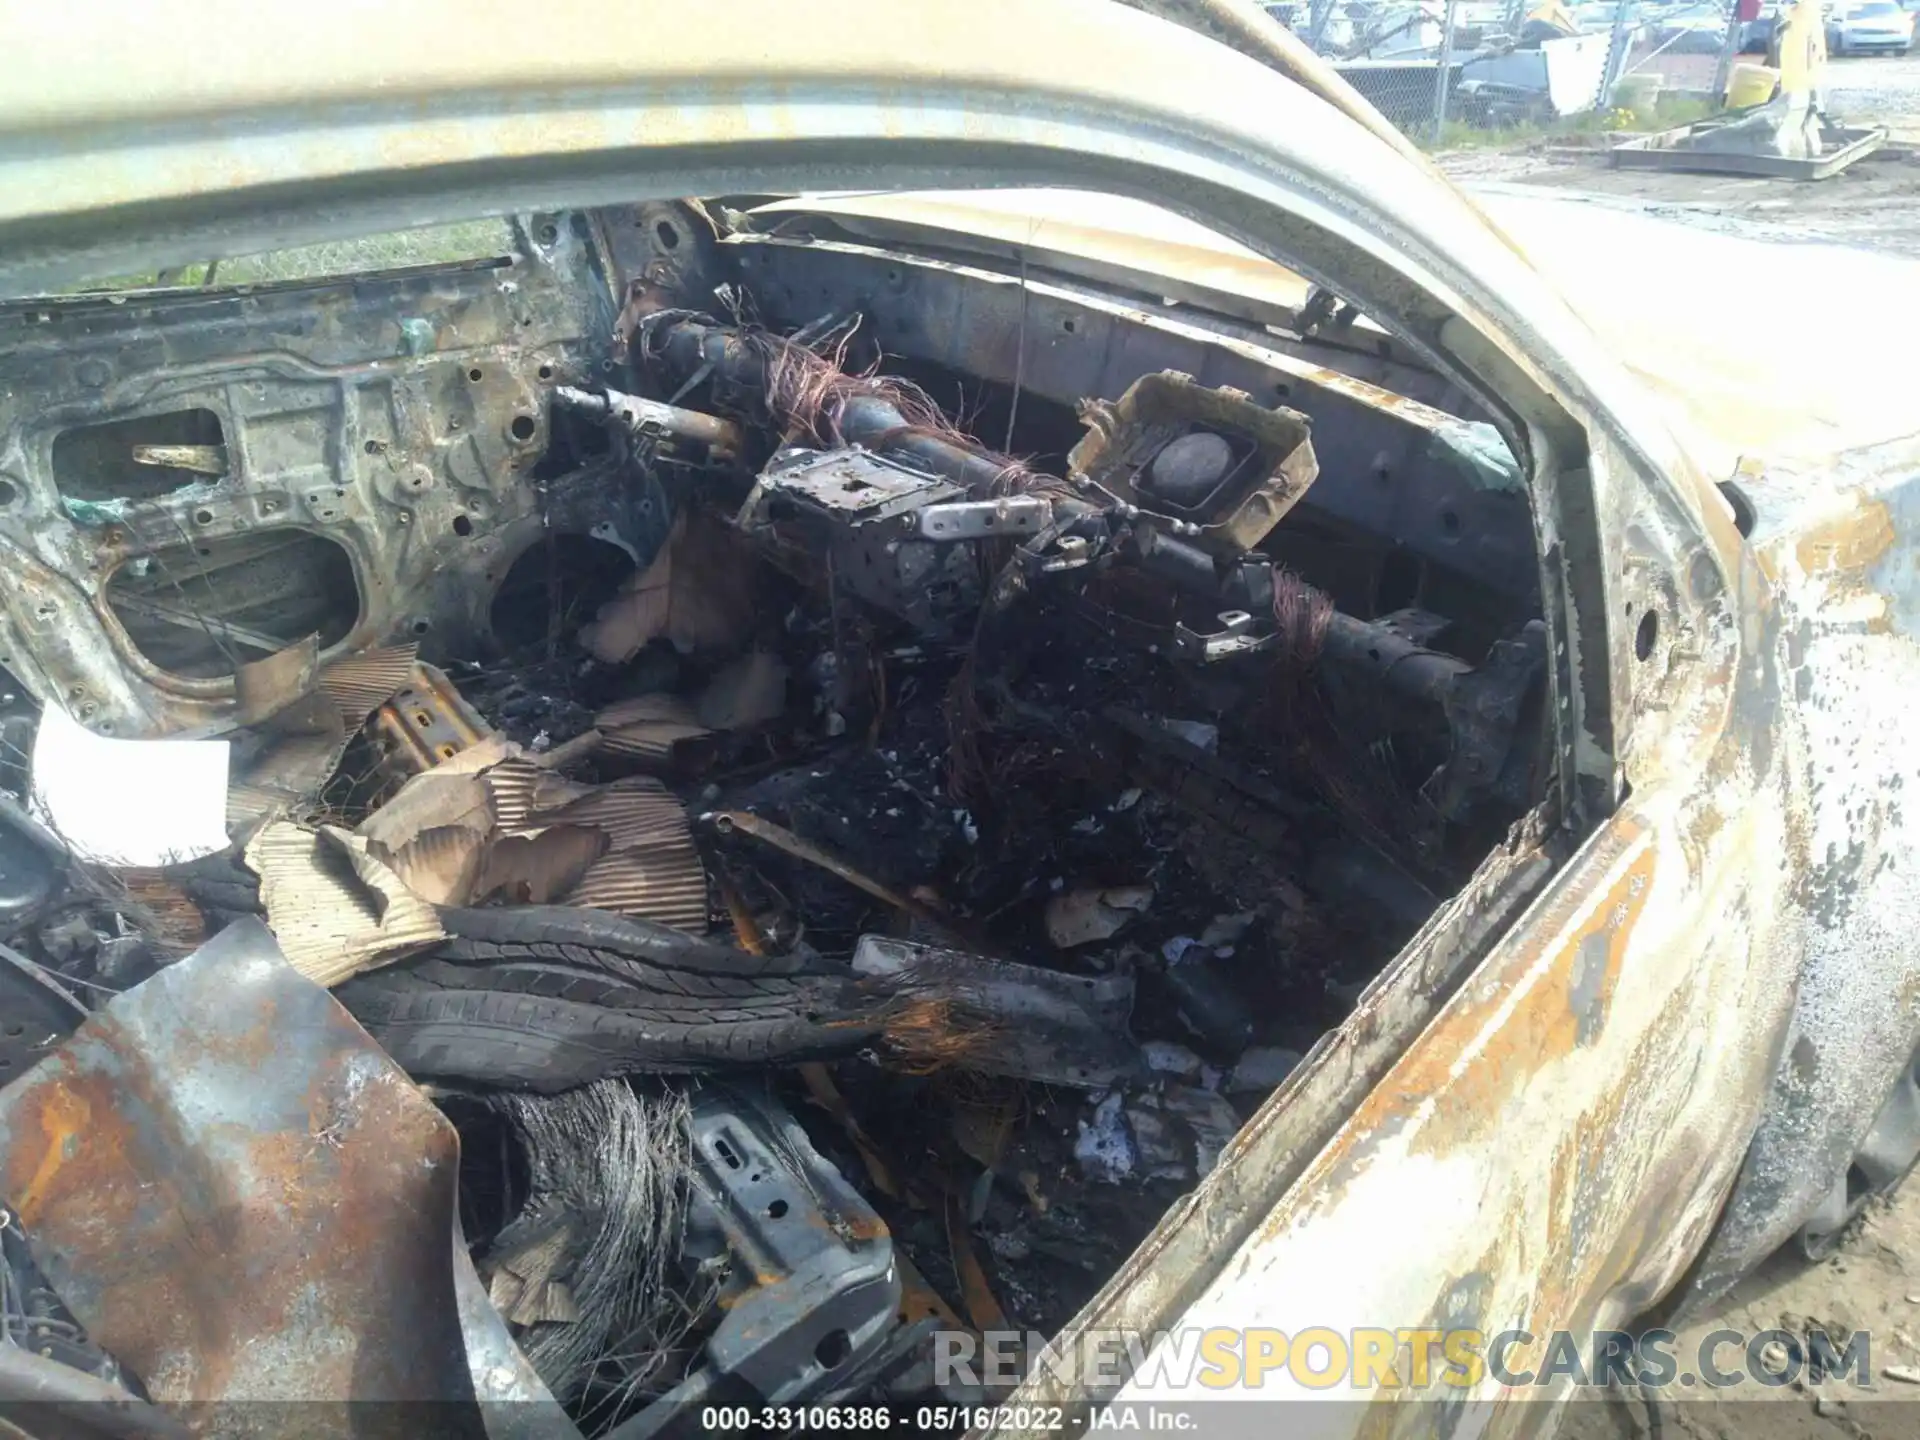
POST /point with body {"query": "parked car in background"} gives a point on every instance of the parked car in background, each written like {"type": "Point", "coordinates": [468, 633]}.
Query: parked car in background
{"type": "Point", "coordinates": [1691, 30]}
{"type": "Point", "coordinates": [1756, 36]}
{"type": "Point", "coordinates": [1871, 26]}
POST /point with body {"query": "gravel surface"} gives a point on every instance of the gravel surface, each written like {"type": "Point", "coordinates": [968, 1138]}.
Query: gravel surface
{"type": "Point", "coordinates": [1871, 1284]}
{"type": "Point", "coordinates": [1880, 90]}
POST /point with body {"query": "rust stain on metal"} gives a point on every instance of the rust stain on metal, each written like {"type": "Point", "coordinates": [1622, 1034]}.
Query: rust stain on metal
{"type": "Point", "coordinates": [1475, 1059]}
{"type": "Point", "coordinates": [1848, 544]}
{"type": "Point", "coordinates": [1555, 1016]}
{"type": "Point", "coordinates": [426, 722]}
{"type": "Point", "coordinates": [63, 1119]}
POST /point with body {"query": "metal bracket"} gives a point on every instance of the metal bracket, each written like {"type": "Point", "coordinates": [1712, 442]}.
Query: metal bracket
{"type": "Point", "coordinates": [1236, 636]}
{"type": "Point", "coordinates": [981, 519]}
{"type": "Point", "coordinates": [812, 1291]}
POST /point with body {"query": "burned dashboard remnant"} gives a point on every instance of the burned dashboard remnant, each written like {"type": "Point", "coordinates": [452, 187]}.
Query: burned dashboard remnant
{"type": "Point", "coordinates": [893, 535]}
{"type": "Point", "coordinates": [867, 799]}
{"type": "Point", "coordinates": [1220, 469]}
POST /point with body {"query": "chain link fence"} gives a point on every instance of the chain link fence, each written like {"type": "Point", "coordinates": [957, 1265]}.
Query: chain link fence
{"type": "Point", "coordinates": [1446, 70]}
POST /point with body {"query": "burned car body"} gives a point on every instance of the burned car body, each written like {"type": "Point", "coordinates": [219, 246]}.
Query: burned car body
{"type": "Point", "coordinates": [1579, 767]}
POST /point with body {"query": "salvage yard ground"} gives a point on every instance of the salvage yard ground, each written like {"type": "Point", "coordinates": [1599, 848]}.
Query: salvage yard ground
{"type": "Point", "coordinates": [1875, 203]}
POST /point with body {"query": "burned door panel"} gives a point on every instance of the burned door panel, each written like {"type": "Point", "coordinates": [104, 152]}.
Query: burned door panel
{"type": "Point", "coordinates": [152, 442]}
{"type": "Point", "coordinates": [1557, 1122]}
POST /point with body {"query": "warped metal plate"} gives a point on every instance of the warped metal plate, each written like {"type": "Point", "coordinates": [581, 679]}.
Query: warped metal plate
{"type": "Point", "coordinates": [239, 1195]}
{"type": "Point", "coordinates": [1672, 150]}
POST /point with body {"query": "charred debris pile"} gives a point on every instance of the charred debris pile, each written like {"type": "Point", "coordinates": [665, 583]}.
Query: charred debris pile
{"type": "Point", "coordinates": [864, 915]}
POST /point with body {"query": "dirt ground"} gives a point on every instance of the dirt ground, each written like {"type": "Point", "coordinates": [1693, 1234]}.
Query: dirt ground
{"type": "Point", "coordinates": [1875, 203]}
{"type": "Point", "coordinates": [1873, 1282]}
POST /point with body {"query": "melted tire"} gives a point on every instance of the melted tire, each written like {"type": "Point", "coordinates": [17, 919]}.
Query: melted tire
{"type": "Point", "coordinates": [496, 1006]}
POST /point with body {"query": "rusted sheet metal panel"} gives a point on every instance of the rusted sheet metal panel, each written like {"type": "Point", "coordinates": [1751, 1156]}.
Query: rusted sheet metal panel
{"type": "Point", "coordinates": [239, 1194]}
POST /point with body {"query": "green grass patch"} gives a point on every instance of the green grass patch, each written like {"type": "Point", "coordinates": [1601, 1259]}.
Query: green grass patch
{"type": "Point", "coordinates": [1668, 114]}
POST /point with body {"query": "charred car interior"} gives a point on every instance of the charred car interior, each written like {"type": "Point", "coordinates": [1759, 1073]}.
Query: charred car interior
{"type": "Point", "coordinates": [845, 768]}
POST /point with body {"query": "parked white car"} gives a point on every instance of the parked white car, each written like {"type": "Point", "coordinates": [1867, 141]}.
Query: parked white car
{"type": "Point", "coordinates": [1872, 25]}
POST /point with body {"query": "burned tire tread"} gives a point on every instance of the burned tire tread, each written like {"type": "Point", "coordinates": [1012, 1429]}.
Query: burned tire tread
{"type": "Point", "coordinates": [642, 973]}
{"type": "Point", "coordinates": [525, 1041]}
{"type": "Point", "coordinates": [618, 938]}
{"type": "Point", "coordinates": [549, 1016]}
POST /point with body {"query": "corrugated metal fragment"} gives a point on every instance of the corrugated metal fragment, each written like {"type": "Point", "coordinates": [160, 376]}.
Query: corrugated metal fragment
{"type": "Point", "coordinates": [625, 847]}
{"type": "Point", "coordinates": [665, 883]}
{"type": "Point", "coordinates": [310, 736]}
{"type": "Point", "coordinates": [642, 708]}
{"type": "Point", "coordinates": [631, 812]}
{"type": "Point", "coordinates": [650, 868]}
{"type": "Point", "coordinates": [433, 834]}
{"type": "Point", "coordinates": [539, 867]}
{"type": "Point", "coordinates": [334, 908]}
{"type": "Point", "coordinates": [513, 784]}
{"type": "Point", "coordinates": [441, 865]}
{"type": "Point", "coordinates": [360, 684]}
{"type": "Point", "coordinates": [647, 728]}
